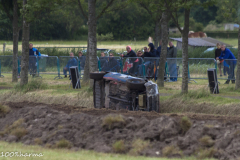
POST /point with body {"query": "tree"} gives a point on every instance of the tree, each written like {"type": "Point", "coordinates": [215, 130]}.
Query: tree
{"type": "Point", "coordinates": [103, 7]}
{"type": "Point", "coordinates": [25, 47]}
{"type": "Point", "coordinates": [31, 10]}
{"type": "Point", "coordinates": [12, 9]}
{"type": "Point", "coordinates": [163, 56]}
{"type": "Point", "coordinates": [174, 6]}
{"type": "Point", "coordinates": [155, 13]}
{"type": "Point", "coordinates": [238, 61]}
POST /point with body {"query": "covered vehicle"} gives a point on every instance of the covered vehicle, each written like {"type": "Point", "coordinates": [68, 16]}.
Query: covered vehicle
{"type": "Point", "coordinates": [118, 91]}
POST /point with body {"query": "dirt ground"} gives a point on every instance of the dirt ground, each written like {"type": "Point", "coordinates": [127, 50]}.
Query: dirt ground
{"type": "Point", "coordinates": [135, 132]}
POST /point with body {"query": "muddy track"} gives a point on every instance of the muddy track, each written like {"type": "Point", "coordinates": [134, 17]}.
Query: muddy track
{"type": "Point", "coordinates": [137, 114]}
{"type": "Point", "coordinates": [139, 133]}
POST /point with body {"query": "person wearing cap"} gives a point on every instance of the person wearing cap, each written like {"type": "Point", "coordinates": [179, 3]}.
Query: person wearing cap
{"type": "Point", "coordinates": [71, 62]}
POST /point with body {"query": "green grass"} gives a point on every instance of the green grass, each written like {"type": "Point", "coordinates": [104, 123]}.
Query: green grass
{"type": "Point", "coordinates": [56, 154]}
{"type": "Point", "coordinates": [231, 41]}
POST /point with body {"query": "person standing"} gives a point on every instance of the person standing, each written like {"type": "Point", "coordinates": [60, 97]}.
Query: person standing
{"type": "Point", "coordinates": [71, 62]}
{"type": "Point", "coordinates": [230, 59]}
{"type": "Point", "coordinates": [33, 55]}
{"type": "Point", "coordinates": [82, 60]}
{"type": "Point", "coordinates": [218, 52]}
{"type": "Point", "coordinates": [172, 63]}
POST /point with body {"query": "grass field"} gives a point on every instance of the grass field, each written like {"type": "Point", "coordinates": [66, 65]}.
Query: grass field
{"type": "Point", "coordinates": [57, 154]}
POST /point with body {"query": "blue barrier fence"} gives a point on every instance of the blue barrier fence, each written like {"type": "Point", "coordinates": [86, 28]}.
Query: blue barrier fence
{"type": "Point", "coordinates": [137, 66]}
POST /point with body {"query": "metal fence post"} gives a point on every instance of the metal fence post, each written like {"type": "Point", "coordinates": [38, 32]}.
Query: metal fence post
{"type": "Point", "coordinates": [58, 68]}
{"type": "Point", "coordinates": [79, 67]}
{"type": "Point", "coordinates": [99, 65]}
{"type": "Point", "coordinates": [121, 66]}
{"type": "Point", "coordinates": [144, 70]}
{"type": "Point", "coordinates": [0, 70]}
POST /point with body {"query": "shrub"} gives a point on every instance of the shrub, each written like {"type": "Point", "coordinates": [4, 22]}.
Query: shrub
{"type": "Point", "coordinates": [119, 146]}
{"type": "Point", "coordinates": [63, 144]}
{"type": "Point", "coordinates": [171, 150]}
{"type": "Point", "coordinates": [4, 109]}
{"type": "Point", "coordinates": [109, 120]}
{"type": "Point", "coordinates": [185, 124]}
{"type": "Point", "coordinates": [206, 141]}
{"type": "Point", "coordinates": [33, 84]}
{"type": "Point", "coordinates": [138, 146]}
{"type": "Point", "coordinates": [19, 132]}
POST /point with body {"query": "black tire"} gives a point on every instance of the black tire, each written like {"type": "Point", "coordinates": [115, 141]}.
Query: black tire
{"type": "Point", "coordinates": [97, 75]}
{"type": "Point", "coordinates": [136, 84]}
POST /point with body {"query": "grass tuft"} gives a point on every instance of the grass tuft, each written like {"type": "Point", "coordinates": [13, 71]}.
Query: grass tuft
{"type": "Point", "coordinates": [138, 146]}
{"type": "Point", "coordinates": [119, 146]}
{"type": "Point", "coordinates": [206, 153]}
{"type": "Point", "coordinates": [4, 109]}
{"type": "Point", "coordinates": [194, 94]}
{"type": "Point", "coordinates": [33, 84]}
{"type": "Point", "coordinates": [206, 141]}
{"type": "Point", "coordinates": [19, 132]}
{"type": "Point", "coordinates": [63, 144]}
{"type": "Point", "coordinates": [110, 120]}
{"type": "Point", "coordinates": [185, 124]}
{"type": "Point", "coordinates": [38, 141]}
{"type": "Point", "coordinates": [11, 128]}
{"type": "Point", "coordinates": [171, 150]}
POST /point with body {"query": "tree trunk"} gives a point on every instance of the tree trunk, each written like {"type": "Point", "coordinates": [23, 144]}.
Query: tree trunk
{"type": "Point", "coordinates": [238, 62]}
{"type": "Point", "coordinates": [86, 67]}
{"type": "Point", "coordinates": [185, 52]}
{"type": "Point", "coordinates": [157, 34]}
{"type": "Point", "coordinates": [92, 30]}
{"type": "Point", "coordinates": [15, 41]}
{"type": "Point", "coordinates": [161, 70]}
{"type": "Point", "coordinates": [25, 49]}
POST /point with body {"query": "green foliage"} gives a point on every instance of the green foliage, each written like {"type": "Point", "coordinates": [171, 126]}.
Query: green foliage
{"type": "Point", "coordinates": [206, 141]}
{"type": "Point", "coordinates": [107, 37]}
{"type": "Point", "coordinates": [33, 84]}
{"type": "Point", "coordinates": [195, 26]}
{"type": "Point", "coordinates": [119, 146]}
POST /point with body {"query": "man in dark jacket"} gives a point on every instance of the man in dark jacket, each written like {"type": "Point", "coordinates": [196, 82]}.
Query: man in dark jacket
{"type": "Point", "coordinates": [218, 52]}
{"type": "Point", "coordinates": [130, 54]}
{"type": "Point", "coordinates": [230, 59]}
{"type": "Point", "coordinates": [82, 60]}
{"type": "Point", "coordinates": [113, 64]}
{"type": "Point", "coordinates": [172, 63]}
{"type": "Point", "coordinates": [33, 55]}
{"type": "Point", "coordinates": [152, 50]}
{"type": "Point", "coordinates": [71, 62]}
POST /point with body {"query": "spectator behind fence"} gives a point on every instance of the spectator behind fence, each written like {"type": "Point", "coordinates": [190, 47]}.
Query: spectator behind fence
{"type": "Point", "coordinates": [113, 64]}
{"type": "Point", "coordinates": [217, 54]}
{"type": "Point", "coordinates": [172, 63]}
{"type": "Point", "coordinates": [82, 60]}
{"type": "Point", "coordinates": [103, 62]}
{"type": "Point", "coordinates": [152, 50]}
{"type": "Point", "coordinates": [159, 49]}
{"type": "Point", "coordinates": [230, 59]}
{"type": "Point", "coordinates": [130, 53]}
{"type": "Point", "coordinates": [71, 62]}
{"type": "Point", "coordinates": [33, 53]}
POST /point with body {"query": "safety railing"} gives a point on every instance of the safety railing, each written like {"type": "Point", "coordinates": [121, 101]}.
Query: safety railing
{"type": "Point", "coordinates": [133, 66]}
{"type": "Point", "coordinates": [110, 64]}
{"type": "Point", "coordinates": [65, 62]}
